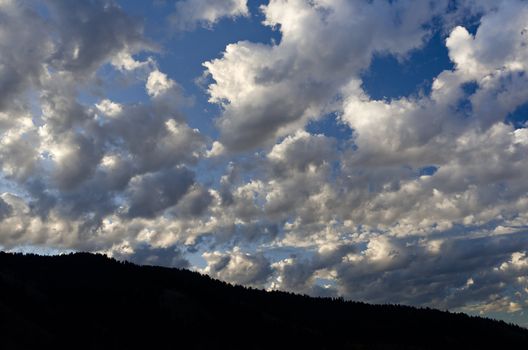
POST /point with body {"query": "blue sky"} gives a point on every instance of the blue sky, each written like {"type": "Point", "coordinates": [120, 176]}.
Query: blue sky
{"type": "Point", "coordinates": [374, 150]}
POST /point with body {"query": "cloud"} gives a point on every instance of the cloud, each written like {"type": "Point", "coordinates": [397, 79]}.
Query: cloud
{"type": "Point", "coordinates": [278, 87]}
{"type": "Point", "coordinates": [146, 255]}
{"type": "Point", "coordinates": [152, 193]}
{"type": "Point", "coordinates": [238, 267]}
{"type": "Point", "coordinates": [158, 83]}
{"type": "Point", "coordinates": [389, 232]}
{"type": "Point", "coordinates": [205, 13]}
{"type": "Point", "coordinates": [302, 150]}
{"type": "Point", "coordinates": [74, 166]}
{"type": "Point", "coordinates": [5, 209]}
{"type": "Point", "coordinates": [109, 108]}
{"type": "Point", "coordinates": [386, 269]}
{"type": "Point", "coordinates": [91, 33]}
{"type": "Point", "coordinates": [22, 52]}
{"type": "Point", "coordinates": [195, 202]}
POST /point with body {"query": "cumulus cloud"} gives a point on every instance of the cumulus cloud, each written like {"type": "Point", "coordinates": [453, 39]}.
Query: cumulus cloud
{"type": "Point", "coordinates": [158, 83]}
{"type": "Point", "coordinates": [192, 13]}
{"type": "Point", "coordinates": [238, 267]}
{"type": "Point", "coordinates": [75, 166]}
{"type": "Point", "coordinates": [91, 33]}
{"type": "Point", "coordinates": [377, 217]}
{"type": "Point", "coordinates": [22, 52]}
{"type": "Point", "coordinates": [152, 193]}
{"type": "Point", "coordinates": [268, 90]}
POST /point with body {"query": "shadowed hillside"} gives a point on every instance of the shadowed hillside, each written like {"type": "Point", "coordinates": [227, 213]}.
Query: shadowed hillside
{"type": "Point", "coordinates": [93, 302]}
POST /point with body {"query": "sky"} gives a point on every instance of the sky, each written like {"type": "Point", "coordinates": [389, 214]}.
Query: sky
{"type": "Point", "coordinates": [374, 150]}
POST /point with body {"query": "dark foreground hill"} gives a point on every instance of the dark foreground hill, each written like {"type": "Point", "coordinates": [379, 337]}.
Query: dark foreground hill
{"type": "Point", "coordinates": [85, 301]}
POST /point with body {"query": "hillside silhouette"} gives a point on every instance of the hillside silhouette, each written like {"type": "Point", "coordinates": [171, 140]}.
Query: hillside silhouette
{"type": "Point", "coordinates": [87, 301]}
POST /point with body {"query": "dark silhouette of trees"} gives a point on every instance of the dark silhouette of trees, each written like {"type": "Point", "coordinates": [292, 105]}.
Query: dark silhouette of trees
{"type": "Point", "coordinates": [87, 301]}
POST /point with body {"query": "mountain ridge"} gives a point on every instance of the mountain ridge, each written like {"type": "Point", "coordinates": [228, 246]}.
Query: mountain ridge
{"type": "Point", "coordinates": [97, 302]}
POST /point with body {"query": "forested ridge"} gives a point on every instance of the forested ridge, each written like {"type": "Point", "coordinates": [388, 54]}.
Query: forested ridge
{"type": "Point", "coordinates": [87, 301]}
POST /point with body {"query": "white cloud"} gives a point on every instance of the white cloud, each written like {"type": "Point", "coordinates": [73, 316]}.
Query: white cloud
{"type": "Point", "coordinates": [72, 174]}
{"type": "Point", "coordinates": [109, 108]}
{"type": "Point", "coordinates": [238, 267]}
{"type": "Point", "coordinates": [125, 62]}
{"type": "Point", "coordinates": [206, 13]}
{"type": "Point", "coordinates": [216, 150]}
{"type": "Point", "coordinates": [495, 304]}
{"type": "Point", "coordinates": [388, 224]}
{"type": "Point", "coordinates": [276, 88]}
{"type": "Point", "coordinates": [158, 83]}
{"type": "Point", "coordinates": [302, 150]}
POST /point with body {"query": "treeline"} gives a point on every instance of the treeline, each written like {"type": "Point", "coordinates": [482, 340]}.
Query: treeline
{"type": "Point", "coordinates": [87, 301]}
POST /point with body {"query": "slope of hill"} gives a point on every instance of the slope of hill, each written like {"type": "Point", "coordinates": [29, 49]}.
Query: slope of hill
{"type": "Point", "coordinates": [87, 301]}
